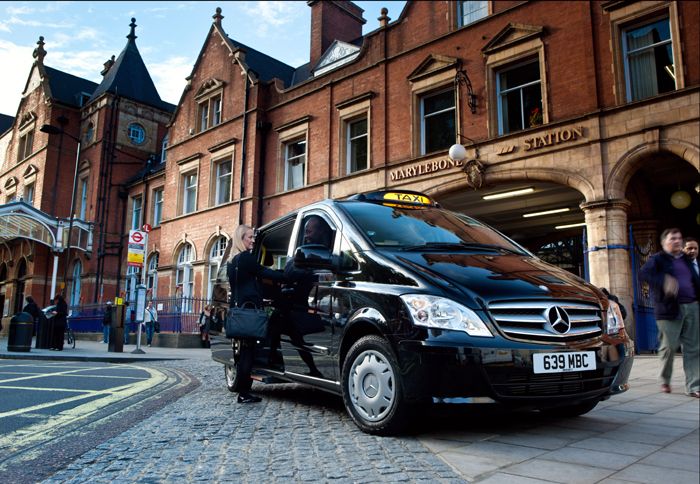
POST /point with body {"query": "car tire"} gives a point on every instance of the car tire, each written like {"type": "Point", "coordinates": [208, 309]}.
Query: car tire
{"type": "Point", "coordinates": [233, 382]}
{"type": "Point", "coordinates": [372, 387]}
{"type": "Point", "coordinates": [569, 411]}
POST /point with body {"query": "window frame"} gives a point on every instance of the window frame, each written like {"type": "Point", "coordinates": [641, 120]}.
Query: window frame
{"type": "Point", "coordinates": [25, 147]}
{"type": "Point", "coordinates": [638, 14]}
{"type": "Point", "coordinates": [460, 12]}
{"type": "Point", "coordinates": [209, 111]}
{"type": "Point", "coordinates": [350, 139]}
{"type": "Point", "coordinates": [164, 148]}
{"type": "Point", "coordinates": [422, 117]}
{"type": "Point", "coordinates": [286, 146]}
{"type": "Point", "coordinates": [185, 189]}
{"type": "Point", "coordinates": [136, 212]}
{"type": "Point", "coordinates": [135, 127]}
{"type": "Point", "coordinates": [216, 254]}
{"type": "Point", "coordinates": [499, 93]}
{"type": "Point", "coordinates": [152, 274]}
{"type": "Point", "coordinates": [157, 214]}
{"type": "Point", "coordinates": [217, 178]}
{"type": "Point", "coordinates": [184, 275]}
{"type": "Point", "coordinates": [28, 193]}
{"type": "Point", "coordinates": [82, 214]}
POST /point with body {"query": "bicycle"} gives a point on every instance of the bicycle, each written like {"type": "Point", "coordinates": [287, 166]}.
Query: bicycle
{"type": "Point", "coordinates": [70, 337]}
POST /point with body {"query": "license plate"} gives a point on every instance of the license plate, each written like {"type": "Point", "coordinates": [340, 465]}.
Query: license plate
{"type": "Point", "coordinates": [563, 362]}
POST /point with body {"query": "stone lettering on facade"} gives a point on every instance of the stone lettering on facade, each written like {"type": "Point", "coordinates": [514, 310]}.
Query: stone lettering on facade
{"type": "Point", "coordinates": [554, 137]}
{"type": "Point", "coordinates": [424, 169]}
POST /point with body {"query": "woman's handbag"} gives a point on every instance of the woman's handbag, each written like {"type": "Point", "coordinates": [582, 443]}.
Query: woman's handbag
{"type": "Point", "coordinates": [156, 327]}
{"type": "Point", "coordinates": [246, 321]}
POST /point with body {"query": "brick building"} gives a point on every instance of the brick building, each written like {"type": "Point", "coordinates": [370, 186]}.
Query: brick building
{"type": "Point", "coordinates": [579, 125]}
{"type": "Point", "coordinates": [64, 164]}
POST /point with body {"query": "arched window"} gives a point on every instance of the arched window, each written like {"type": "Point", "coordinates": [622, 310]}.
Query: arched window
{"type": "Point", "coordinates": [137, 133]}
{"type": "Point", "coordinates": [215, 255]}
{"type": "Point", "coordinates": [75, 289]}
{"type": "Point", "coordinates": [152, 275]}
{"type": "Point", "coordinates": [184, 277]}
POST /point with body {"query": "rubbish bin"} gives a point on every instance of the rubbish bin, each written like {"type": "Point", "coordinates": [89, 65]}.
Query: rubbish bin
{"type": "Point", "coordinates": [116, 330]}
{"type": "Point", "coordinates": [20, 336]}
{"type": "Point", "coordinates": [43, 332]}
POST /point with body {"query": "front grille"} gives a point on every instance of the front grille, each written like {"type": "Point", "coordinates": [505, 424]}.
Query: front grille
{"type": "Point", "coordinates": [514, 382]}
{"type": "Point", "coordinates": [533, 320]}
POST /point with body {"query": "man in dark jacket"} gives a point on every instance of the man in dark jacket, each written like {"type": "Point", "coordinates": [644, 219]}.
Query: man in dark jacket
{"type": "Point", "coordinates": [675, 288]}
{"type": "Point", "coordinates": [32, 308]}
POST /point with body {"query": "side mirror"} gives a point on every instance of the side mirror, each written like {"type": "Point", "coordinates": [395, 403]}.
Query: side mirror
{"type": "Point", "coordinates": [314, 256]}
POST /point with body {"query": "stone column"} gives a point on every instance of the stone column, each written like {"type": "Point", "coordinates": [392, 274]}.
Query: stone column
{"type": "Point", "coordinates": [608, 251]}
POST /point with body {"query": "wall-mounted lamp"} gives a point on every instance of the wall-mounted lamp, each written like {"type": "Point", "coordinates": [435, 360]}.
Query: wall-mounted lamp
{"type": "Point", "coordinates": [462, 79]}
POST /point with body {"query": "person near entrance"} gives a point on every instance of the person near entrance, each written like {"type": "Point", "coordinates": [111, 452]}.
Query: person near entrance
{"type": "Point", "coordinates": [150, 320]}
{"type": "Point", "coordinates": [675, 287]}
{"type": "Point", "coordinates": [690, 248]}
{"type": "Point", "coordinates": [107, 322]}
{"type": "Point", "coordinates": [33, 308]}
{"type": "Point", "coordinates": [60, 315]}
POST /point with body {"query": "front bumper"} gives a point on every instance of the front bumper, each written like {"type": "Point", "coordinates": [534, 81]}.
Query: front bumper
{"type": "Point", "coordinates": [442, 371]}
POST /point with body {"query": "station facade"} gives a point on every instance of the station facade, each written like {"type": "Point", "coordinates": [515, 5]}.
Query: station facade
{"type": "Point", "coordinates": [580, 129]}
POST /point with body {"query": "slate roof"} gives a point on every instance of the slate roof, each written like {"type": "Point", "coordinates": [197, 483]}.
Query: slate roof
{"type": "Point", "coordinates": [129, 77]}
{"type": "Point", "coordinates": [266, 67]}
{"type": "Point", "coordinates": [67, 88]}
{"type": "Point", "coordinates": [5, 122]}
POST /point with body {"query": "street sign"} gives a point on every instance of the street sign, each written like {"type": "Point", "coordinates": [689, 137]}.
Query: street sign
{"type": "Point", "coordinates": [146, 228]}
{"type": "Point", "coordinates": [135, 237]}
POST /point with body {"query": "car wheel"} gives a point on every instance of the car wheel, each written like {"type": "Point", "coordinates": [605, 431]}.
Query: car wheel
{"type": "Point", "coordinates": [233, 382]}
{"type": "Point", "coordinates": [372, 387]}
{"type": "Point", "coordinates": [568, 411]}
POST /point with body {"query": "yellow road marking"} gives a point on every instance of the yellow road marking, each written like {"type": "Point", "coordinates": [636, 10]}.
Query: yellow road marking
{"type": "Point", "coordinates": [45, 430]}
{"type": "Point", "coordinates": [44, 375]}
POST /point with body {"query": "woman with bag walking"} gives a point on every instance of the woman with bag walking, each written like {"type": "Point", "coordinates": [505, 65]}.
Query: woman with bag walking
{"type": "Point", "coordinates": [244, 275]}
{"type": "Point", "coordinates": [205, 325]}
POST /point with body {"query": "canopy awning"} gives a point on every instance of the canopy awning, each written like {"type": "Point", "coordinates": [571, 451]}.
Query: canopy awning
{"type": "Point", "coordinates": [19, 220]}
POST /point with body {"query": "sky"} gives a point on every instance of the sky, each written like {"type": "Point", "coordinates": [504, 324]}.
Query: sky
{"type": "Point", "coordinates": [80, 36]}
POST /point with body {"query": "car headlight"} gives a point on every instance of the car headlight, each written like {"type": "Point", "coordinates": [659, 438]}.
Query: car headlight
{"type": "Point", "coordinates": [441, 313]}
{"type": "Point", "coordinates": [614, 320]}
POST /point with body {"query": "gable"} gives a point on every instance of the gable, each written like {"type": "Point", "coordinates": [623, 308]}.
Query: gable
{"type": "Point", "coordinates": [338, 54]}
{"type": "Point", "coordinates": [512, 34]}
{"type": "Point", "coordinates": [432, 65]}
{"type": "Point", "coordinates": [209, 86]}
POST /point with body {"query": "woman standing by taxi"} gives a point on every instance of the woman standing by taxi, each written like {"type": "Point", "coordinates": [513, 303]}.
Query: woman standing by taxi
{"type": "Point", "coordinates": [244, 275]}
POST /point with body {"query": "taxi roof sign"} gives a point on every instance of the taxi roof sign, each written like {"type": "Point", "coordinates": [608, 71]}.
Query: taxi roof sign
{"type": "Point", "coordinates": [408, 198]}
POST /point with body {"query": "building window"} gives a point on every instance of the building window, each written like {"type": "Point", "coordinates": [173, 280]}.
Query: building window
{"type": "Point", "coordinates": [26, 142]}
{"type": "Point", "coordinates": [471, 11]}
{"type": "Point", "coordinates": [437, 121]}
{"type": "Point", "coordinates": [209, 112]}
{"type": "Point", "coordinates": [648, 55]}
{"type": "Point", "coordinates": [184, 277]}
{"type": "Point", "coordinates": [137, 133]}
{"type": "Point", "coordinates": [89, 132]}
{"type": "Point", "coordinates": [164, 149]}
{"type": "Point", "coordinates": [216, 254]}
{"type": "Point", "coordinates": [157, 206]}
{"type": "Point", "coordinates": [223, 182]}
{"type": "Point", "coordinates": [136, 213]}
{"type": "Point", "coordinates": [75, 290]}
{"type": "Point", "coordinates": [83, 198]}
{"type": "Point", "coordinates": [294, 164]}
{"type": "Point", "coordinates": [357, 145]}
{"type": "Point", "coordinates": [189, 192]}
{"type": "Point", "coordinates": [152, 275]}
{"type": "Point", "coordinates": [133, 276]}
{"type": "Point", "coordinates": [29, 194]}
{"type": "Point", "coordinates": [519, 97]}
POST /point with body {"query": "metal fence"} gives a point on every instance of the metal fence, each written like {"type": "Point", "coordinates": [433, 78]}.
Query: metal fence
{"type": "Point", "coordinates": [175, 315]}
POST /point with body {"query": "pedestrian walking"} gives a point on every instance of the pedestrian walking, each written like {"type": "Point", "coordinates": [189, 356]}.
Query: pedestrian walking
{"type": "Point", "coordinates": [244, 274]}
{"type": "Point", "coordinates": [60, 315]}
{"type": "Point", "coordinates": [107, 322]}
{"type": "Point", "coordinates": [205, 325]}
{"type": "Point", "coordinates": [150, 319]}
{"type": "Point", "coordinates": [675, 287]}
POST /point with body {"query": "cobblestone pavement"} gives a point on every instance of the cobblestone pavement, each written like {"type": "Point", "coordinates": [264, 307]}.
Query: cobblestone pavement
{"type": "Point", "coordinates": [294, 435]}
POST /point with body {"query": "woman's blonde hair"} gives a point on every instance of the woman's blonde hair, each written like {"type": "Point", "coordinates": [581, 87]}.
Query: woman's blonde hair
{"type": "Point", "coordinates": [238, 234]}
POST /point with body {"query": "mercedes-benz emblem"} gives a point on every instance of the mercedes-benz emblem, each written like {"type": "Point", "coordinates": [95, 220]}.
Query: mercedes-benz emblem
{"type": "Point", "coordinates": [558, 319]}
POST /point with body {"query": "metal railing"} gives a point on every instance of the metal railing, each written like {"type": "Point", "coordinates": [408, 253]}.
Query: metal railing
{"type": "Point", "coordinates": [175, 315]}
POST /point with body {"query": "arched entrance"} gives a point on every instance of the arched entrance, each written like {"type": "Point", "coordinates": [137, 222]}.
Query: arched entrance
{"type": "Point", "coordinates": [544, 217]}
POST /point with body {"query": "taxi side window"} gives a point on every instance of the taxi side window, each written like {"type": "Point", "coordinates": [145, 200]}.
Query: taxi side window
{"type": "Point", "coordinates": [348, 262]}
{"type": "Point", "coordinates": [317, 231]}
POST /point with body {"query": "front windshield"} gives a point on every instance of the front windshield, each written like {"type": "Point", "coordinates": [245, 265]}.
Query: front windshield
{"type": "Point", "coordinates": [409, 228]}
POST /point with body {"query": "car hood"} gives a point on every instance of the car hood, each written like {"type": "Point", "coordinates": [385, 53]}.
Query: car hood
{"type": "Point", "coordinates": [497, 277]}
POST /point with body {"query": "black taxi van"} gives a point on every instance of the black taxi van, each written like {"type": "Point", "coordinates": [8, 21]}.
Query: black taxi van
{"type": "Point", "coordinates": [412, 304]}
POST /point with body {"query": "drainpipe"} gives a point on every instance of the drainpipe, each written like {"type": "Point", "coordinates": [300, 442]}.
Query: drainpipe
{"type": "Point", "coordinates": [244, 139]}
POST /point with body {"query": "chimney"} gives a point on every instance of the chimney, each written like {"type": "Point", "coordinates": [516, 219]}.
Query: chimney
{"type": "Point", "coordinates": [108, 65]}
{"type": "Point", "coordinates": [330, 21]}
